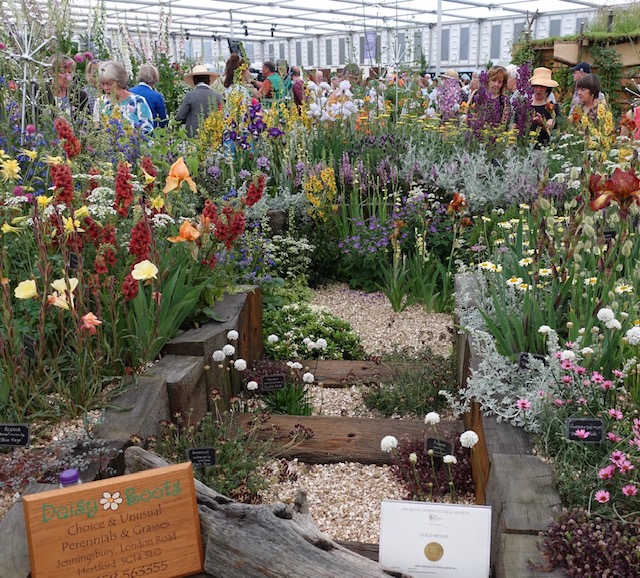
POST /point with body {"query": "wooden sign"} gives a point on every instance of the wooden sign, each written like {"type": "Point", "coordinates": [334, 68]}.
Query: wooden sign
{"type": "Point", "coordinates": [585, 429]}
{"type": "Point", "coordinates": [440, 448]}
{"type": "Point", "coordinates": [272, 382]}
{"type": "Point", "coordinates": [14, 434]}
{"type": "Point", "coordinates": [202, 457]}
{"type": "Point", "coordinates": [143, 524]}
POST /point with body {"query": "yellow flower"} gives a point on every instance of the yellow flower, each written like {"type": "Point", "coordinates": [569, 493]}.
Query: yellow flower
{"type": "Point", "coordinates": [58, 301]}
{"type": "Point", "coordinates": [7, 228]}
{"type": "Point", "coordinates": [71, 226]}
{"type": "Point", "coordinates": [144, 270]}
{"type": "Point", "coordinates": [26, 290]}
{"type": "Point", "coordinates": [157, 203]}
{"type": "Point", "coordinates": [10, 170]}
{"type": "Point", "coordinates": [148, 179]}
{"type": "Point", "coordinates": [60, 285]}
{"type": "Point", "coordinates": [624, 288]}
{"type": "Point", "coordinates": [30, 154]}
{"type": "Point", "coordinates": [82, 212]}
{"type": "Point", "coordinates": [48, 159]}
{"type": "Point", "coordinates": [43, 201]}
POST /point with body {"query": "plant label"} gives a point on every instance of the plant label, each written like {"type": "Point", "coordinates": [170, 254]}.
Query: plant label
{"type": "Point", "coordinates": [523, 360]}
{"type": "Point", "coordinates": [30, 347]}
{"type": "Point", "coordinates": [144, 524]}
{"type": "Point", "coordinates": [73, 262]}
{"type": "Point", "coordinates": [202, 457]}
{"type": "Point", "coordinates": [440, 448]}
{"type": "Point", "coordinates": [439, 540]}
{"type": "Point", "coordinates": [585, 429]}
{"type": "Point", "coordinates": [272, 382]}
{"type": "Point", "coordinates": [14, 434]}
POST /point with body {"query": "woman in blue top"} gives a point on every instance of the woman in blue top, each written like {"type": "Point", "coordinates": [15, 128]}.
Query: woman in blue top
{"type": "Point", "coordinates": [117, 98]}
{"type": "Point", "coordinates": [148, 77]}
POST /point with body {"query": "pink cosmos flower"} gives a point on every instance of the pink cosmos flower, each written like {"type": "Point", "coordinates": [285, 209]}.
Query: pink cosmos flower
{"type": "Point", "coordinates": [617, 456]}
{"type": "Point", "coordinates": [597, 377]}
{"type": "Point", "coordinates": [614, 437]}
{"type": "Point", "coordinates": [629, 490]}
{"type": "Point", "coordinates": [558, 402]}
{"type": "Point", "coordinates": [615, 413]}
{"type": "Point", "coordinates": [626, 466]}
{"type": "Point", "coordinates": [635, 442]}
{"type": "Point", "coordinates": [602, 496]}
{"type": "Point", "coordinates": [580, 370]}
{"type": "Point", "coordinates": [607, 472]}
{"type": "Point", "coordinates": [581, 401]}
{"type": "Point", "coordinates": [524, 404]}
{"type": "Point", "coordinates": [586, 382]}
{"type": "Point", "coordinates": [583, 434]}
{"type": "Point", "coordinates": [566, 379]}
{"type": "Point", "coordinates": [607, 384]}
{"type": "Point", "coordinates": [566, 364]}
{"type": "Point", "coordinates": [619, 373]}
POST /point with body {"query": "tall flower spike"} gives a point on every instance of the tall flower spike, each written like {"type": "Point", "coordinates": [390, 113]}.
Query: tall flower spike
{"type": "Point", "coordinates": [178, 174]}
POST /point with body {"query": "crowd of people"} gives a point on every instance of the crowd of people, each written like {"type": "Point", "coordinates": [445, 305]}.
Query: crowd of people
{"type": "Point", "coordinates": [106, 93]}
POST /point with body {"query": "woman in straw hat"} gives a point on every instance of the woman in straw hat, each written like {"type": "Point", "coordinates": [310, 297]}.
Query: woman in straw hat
{"type": "Point", "coordinates": [545, 112]}
{"type": "Point", "coordinates": [200, 102]}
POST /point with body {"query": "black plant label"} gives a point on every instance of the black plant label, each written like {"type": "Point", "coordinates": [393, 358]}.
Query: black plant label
{"type": "Point", "coordinates": [14, 434]}
{"type": "Point", "coordinates": [30, 347]}
{"type": "Point", "coordinates": [440, 448]}
{"type": "Point", "coordinates": [585, 429]}
{"type": "Point", "coordinates": [272, 382]}
{"type": "Point", "coordinates": [202, 457]}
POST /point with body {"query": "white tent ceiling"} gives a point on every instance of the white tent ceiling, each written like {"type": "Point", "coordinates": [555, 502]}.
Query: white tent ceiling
{"type": "Point", "coordinates": [282, 19]}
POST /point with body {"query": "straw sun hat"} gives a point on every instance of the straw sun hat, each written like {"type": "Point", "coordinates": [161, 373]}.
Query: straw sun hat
{"type": "Point", "coordinates": [542, 77]}
{"type": "Point", "coordinates": [199, 70]}
{"type": "Point", "coordinates": [451, 73]}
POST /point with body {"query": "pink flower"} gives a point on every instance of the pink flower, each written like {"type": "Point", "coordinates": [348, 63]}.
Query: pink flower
{"type": "Point", "coordinates": [541, 393]}
{"type": "Point", "coordinates": [607, 384]}
{"type": "Point", "coordinates": [581, 401]}
{"type": "Point", "coordinates": [30, 129]}
{"type": "Point", "coordinates": [566, 364]}
{"type": "Point", "coordinates": [629, 490]}
{"type": "Point", "coordinates": [635, 442]}
{"type": "Point", "coordinates": [614, 437]}
{"type": "Point", "coordinates": [87, 56]}
{"type": "Point", "coordinates": [597, 377]}
{"type": "Point", "coordinates": [558, 402]}
{"type": "Point", "coordinates": [602, 496]}
{"type": "Point", "coordinates": [580, 370]}
{"type": "Point", "coordinates": [615, 413]}
{"type": "Point", "coordinates": [607, 472]}
{"type": "Point", "coordinates": [586, 382]}
{"type": "Point", "coordinates": [566, 379]}
{"type": "Point", "coordinates": [78, 57]}
{"type": "Point", "coordinates": [3, 46]}
{"type": "Point", "coordinates": [569, 344]}
{"type": "Point", "coordinates": [618, 373]}
{"type": "Point", "coordinates": [617, 456]}
{"type": "Point", "coordinates": [626, 466]}
{"type": "Point", "coordinates": [583, 434]}
{"type": "Point", "coordinates": [524, 404]}
{"type": "Point", "coordinates": [90, 322]}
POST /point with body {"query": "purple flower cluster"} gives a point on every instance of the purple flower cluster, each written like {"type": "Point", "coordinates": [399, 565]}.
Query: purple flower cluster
{"type": "Point", "coordinates": [449, 98]}
{"type": "Point", "coordinates": [488, 110]}
{"type": "Point", "coordinates": [521, 100]}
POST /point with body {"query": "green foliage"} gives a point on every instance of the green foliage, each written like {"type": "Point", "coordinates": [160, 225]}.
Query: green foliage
{"type": "Point", "coordinates": [171, 85]}
{"type": "Point", "coordinates": [523, 53]}
{"type": "Point", "coordinates": [609, 65]}
{"type": "Point", "coordinates": [413, 388]}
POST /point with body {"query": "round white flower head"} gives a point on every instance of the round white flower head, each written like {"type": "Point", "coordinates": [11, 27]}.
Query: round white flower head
{"type": "Point", "coordinates": [633, 335]}
{"type": "Point", "coordinates": [613, 324]}
{"type": "Point", "coordinates": [432, 418]}
{"type": "Point", "coordinates": [232, 335]}
{"type": "Point", "coordinates": [388, 443]}
{"type": "Point", "coordinates": [296, 365]}
{"type": "Point", "coordinates": [228, 350]}
{"type": "Point", "coordinates": [321, 343]}
{"type": "Point", "coordinates": [218, 356]}
{"type": "Point", "coordinates": [450, 460]}
{"type": "Point", "coordinates": [307, 341]}
{"type": "Point", "coordinates": [567, 354]}
{"type": "Point", "coordinates": [545, 330]}
{"type": "Point", "coordinates": [605, 315]}
{"type": "Point", "coordinates": [240, 364]}
{"type": "Point", "coordinates": [252, 385]}
{"type": "Point", "coordinates": [586, 351]}
{"type": "Point", "coordinates": [413, 457]}
{"type": "Point", "coordinates": [308, 377]}
{"type": "Point", "coordinates": [273, 338]}
{"type": "Point", "coordinates": [469, 439]}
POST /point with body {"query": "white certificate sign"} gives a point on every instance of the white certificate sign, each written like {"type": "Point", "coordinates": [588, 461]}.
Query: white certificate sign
{"type": "Point", "coordinates": [435, 540]}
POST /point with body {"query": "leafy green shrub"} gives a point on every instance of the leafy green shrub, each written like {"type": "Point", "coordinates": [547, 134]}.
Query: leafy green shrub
{"type": "Point", "coordinates": [309, 332]}
{"type": "Point", "coordinates": [413, 388]}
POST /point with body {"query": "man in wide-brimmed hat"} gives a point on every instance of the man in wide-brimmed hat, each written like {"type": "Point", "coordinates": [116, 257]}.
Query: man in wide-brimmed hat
{"type": "Point", "coordinates": [200, 102]}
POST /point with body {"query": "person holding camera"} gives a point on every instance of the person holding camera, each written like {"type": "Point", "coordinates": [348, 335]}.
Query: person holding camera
{"type": "Point", "coordinates": [272, 87]}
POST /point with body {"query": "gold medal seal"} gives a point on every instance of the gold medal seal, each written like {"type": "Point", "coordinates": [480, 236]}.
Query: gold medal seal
{"type": "Point", "coordinates": [433, 551]}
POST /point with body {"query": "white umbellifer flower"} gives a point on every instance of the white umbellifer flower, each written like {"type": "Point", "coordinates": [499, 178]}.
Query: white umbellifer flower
{"type": "Point", "coordinates": [228, 350]}
{"type": "Point", "coordinates": [413, 457]}
{"type": "Point", "coordinates": [613, 324]}
{"type": "Point", "coordinates": [252, 385]}
{"type": "Point", "coordinates": [308, 377]}
{"type": "Point", "coordinates": [110, 501]}
{"type": "Point", "coordinates": [469, 439]}
{"type": "Point", "coordinates": [321, 343]}
{"type": "Point", "coordinates": [296, 365]}
{"type": "Point", "coordinates": [633, 335]}
{"type": "Point", "coordinates": [567, 354]}
{"type": "Point", "coordinates": [273, 338]}
{"type": "Point", "coordinates": [310, 344]}
{"type": "Point", "coordinates": [432, 418]}
{"type": "Point", "coordinates": [586, 351]}
{"type": "Point", "coordinates": [240, 364]}
{"type": "Point", "coordinates": [232, 335]}
{"type": "Point", "coordinates": [218, 356]}
{"type": "Point", "coordinates": [388, 443]}
{"type": "Point", "coordinates": [450, 460]}
{"type": "Point", "coordinates": [545, 330]}
{"type": "Point", "coordinates": [605, 315]}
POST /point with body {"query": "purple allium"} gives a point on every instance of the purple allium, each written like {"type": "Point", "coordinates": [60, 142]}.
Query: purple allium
{"type": "Point", "coordinates": [78, 57]}
{"type": "Point", "coordinates": [244, 174]}
{"type": "Point", "coordinates": [263, 163]}
{"type": "Point", "coordinates": [214, 171]}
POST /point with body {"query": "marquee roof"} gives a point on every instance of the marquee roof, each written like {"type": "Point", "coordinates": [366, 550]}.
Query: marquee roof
{"type": "Point", "coordinates": [255, 20]}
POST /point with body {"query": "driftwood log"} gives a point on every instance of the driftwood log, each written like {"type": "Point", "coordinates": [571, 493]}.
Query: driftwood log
{"type": "Point", "coordinates": [266, 540]}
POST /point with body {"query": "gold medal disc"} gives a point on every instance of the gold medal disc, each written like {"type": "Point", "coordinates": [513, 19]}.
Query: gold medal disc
{"type": "Point", "coordinates": [433, 551]}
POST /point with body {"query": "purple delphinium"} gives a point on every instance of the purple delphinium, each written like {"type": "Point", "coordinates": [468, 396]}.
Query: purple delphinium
{"type": "Point", "coordinates": [345, 171]}
{"type": "Point", "coordinates": [554, 190]}
{"type": "Point", "coordinates": [297, 181]}
{"type": "Point", "coordinates": [521, 100]}
{"type": "Point", "coordinates": [449, 98]}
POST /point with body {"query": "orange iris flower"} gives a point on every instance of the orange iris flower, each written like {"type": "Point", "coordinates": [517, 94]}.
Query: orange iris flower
{"type": "Point", "coordinates": [457, 204]}
{"type": "Point", "coordinates": [187, 233]}
{"type": "Point", "coordinates": [178, 174]}
{"type": "Point", "coordinates": [621, 187]}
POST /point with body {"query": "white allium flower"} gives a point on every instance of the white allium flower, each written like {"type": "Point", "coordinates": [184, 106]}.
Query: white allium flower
{"type": "Point", "coordinates": [296, 365]}
{"type": "Point", "coordinates": [545, 330]}
{"type": "Point", "coordinates": [567, 354]}
{"type": "Point", "coordinates": [586, 351]}
{"type": "Point", "coordinates": [273, 338]}
{"type": "Point", "coordinates": [469, 439]}
{"type": "Point", "coordinates": [388, 443]}
{"type": "Point", "coordinates": [308, 377]}
{"type": "Point", "coordinates": [228, 350]}
{"type": "Point", "coordinates": [450, 460]}
{"type": "Point", "coordinates": [606, 315]}
{"type": "Point", "coordinates": [218, 356]}
{"type": "Point", "coordinates": [613, 324]}
{"type": "Point", "coordinates": [321, 343]}
{"type": "Point", "coordinates": [240, 364]}
{"type": "Point", "coordinates": [432, 418]}
{"type": "Point", "coordinates": [633, 335]}
{"type": "Point", "coordinates": [413, 457]}
{"type": "Point", "coordinates": [252, 385]}
{"type": "Point", "coordinates": [232, 335]}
